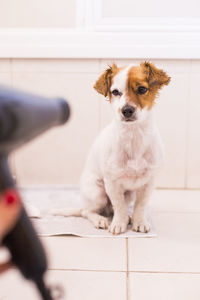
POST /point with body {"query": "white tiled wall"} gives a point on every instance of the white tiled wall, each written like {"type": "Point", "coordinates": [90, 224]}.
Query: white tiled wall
{"type": "Point", "coordinates": [37, 14]}
{"type": "Point", "coordinates": [58, 156]}
{"type": "Point", "coordinates": [129, 8]}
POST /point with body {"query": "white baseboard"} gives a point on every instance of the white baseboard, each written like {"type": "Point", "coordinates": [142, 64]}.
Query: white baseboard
{"type": "Point", "coordinates": [60, 43]}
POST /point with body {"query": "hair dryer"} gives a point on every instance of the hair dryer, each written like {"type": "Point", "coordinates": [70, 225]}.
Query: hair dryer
{"type": "Point", "coordinates": [24, 116]}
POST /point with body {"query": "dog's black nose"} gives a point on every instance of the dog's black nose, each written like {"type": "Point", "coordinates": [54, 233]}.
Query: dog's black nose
{"type": "Point", "coordinates": [128, 111]}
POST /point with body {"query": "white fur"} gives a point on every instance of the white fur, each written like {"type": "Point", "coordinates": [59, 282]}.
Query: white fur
{"type": "Point", "coordinates": [122, 163]}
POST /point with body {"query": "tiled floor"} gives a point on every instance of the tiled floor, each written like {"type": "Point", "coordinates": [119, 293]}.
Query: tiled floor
{"type": "Point", "coordinates": [166, 267]}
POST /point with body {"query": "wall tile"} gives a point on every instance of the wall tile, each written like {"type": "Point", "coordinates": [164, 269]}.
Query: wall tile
{"type": "Point", "coordinates": [55, 65]}
{"type": "Point", "coordinates": [168, 65]}
{"type": "Point", "coordinates": [106, 114]}
{"type": "Point", "coordinates": [173, 65]}
{"type": "Point", "coordinates": [104, 63]}
{"type": "Point", "coordinates": [58, 156]}
{"type": "Point", "coordinates": [5, 78]}
{"type": "Point", "coordinates": [171, 113]}
{"type": "Point", "coordinates": [193, 157]}
{"type": "Point", "coordinates": [195, 66]}
{"type": "Point", "coordinates": [5, 65]}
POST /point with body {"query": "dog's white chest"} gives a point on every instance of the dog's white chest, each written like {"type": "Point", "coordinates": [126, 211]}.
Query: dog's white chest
{"type": "Point", "coordinates": [127, 156]}
{"type": "Point", "coordinates": [130, 171]}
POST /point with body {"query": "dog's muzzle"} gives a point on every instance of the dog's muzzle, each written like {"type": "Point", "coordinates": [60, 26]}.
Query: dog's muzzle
{"type": "Point", "coordinates": [128, 112]}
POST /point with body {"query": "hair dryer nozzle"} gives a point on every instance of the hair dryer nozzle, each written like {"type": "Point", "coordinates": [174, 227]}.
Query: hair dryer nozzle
{"type": "Point", "coordinates": [24, 116]}
{"type": "Point", "coordinates": [65, 110]}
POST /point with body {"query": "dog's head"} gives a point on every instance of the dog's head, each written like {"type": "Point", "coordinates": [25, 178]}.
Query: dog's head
{"type": "Point", "coordinates": [132, 90]}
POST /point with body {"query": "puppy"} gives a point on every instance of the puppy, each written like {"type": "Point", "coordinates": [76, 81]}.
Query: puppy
{"type": "Point", "coordinates": [125, 156]}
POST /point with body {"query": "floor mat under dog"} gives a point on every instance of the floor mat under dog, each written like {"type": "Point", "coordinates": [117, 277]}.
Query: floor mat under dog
{"type": "Point", "coordinates": [39, 202]}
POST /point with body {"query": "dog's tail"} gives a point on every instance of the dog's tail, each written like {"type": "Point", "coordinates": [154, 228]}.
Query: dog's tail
{"type": "Point", "coordinates": [67, 212]}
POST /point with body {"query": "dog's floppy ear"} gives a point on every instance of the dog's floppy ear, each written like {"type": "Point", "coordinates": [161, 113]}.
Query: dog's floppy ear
{"type": "Point", "coordinates": [103, 84]}
{"type": "Point", "coordinates": [155, 76]}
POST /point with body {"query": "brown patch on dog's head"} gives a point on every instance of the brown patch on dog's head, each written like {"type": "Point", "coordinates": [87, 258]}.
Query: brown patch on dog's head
{"type": "Point", "coordinates": [103, 84]}
{"type": "Point", "coordinates": [144, 82]}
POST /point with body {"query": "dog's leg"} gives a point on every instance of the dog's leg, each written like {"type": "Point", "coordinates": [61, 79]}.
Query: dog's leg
{"type": "Point", "coordinates": [139, 220]}
{"type": "Point", "coordinates": [98, 220]}
{"type": "Point", "coordinates": [93, 207]}
{"type": "Point", "coordinates": [120, 218]}
{"type": "Point", "coordinates": [130, 198]}
{"type": "Point", "coordinates": [95, 199]}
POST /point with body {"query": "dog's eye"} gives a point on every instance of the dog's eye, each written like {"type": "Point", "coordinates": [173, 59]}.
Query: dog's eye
{"type": "Point", "coordinates": [116, 93]}
{"type": "Point", "coordinates": [141, 90]}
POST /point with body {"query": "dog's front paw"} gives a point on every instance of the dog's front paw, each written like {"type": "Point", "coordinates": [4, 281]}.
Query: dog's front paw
{"type": "Point", "coordinates": [101, 222]}
{"type": "Point", "coordinates": [117, 227]}
{"type": "Point", "coordinates": [140, 225]}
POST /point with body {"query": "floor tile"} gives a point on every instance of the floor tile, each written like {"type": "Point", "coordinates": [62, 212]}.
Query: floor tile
{"type": "Point", "coordinates": [76, 285]}
{"type": "Point", "coordinates": [176, 249]}
{"type": "Point", "coordinates": [183, 201]}
{"type": "Point", "coordinates": [14, 286]}
{"type": "Point", "coordinates": [91, 285]}
{"type": "Point", "coordinates": [86, 253]}
{"type": "Point", "coordinates": [164, 286]}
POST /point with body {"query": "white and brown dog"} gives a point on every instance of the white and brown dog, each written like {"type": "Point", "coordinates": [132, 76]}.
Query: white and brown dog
{"type": "Point", "coordinates": [125, 156]}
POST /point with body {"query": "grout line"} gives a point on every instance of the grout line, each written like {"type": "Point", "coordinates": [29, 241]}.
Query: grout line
{"type": "Point", "coordinates": [56, 72]}
{"type": "Point", "coordinates": [174, 212]}
{"type": "Point", "coordinates": [127, 286]}
{"type": "Point", "coordinates": [165, 272]}
{"type": "Point", "coordinates": [13, 155]}
{"type": "Point", "coordinates": [52, 187]}
{"type": "Point", "coordinates": [127, 271]}
{"type": "Point", "coordinates": [117, 271]}
{"type": "Point", "coordinates": [187, 130]}
{"type": "Point", "coordinates": [177, 189]}
{"type": "Point", "coordinates": [11, 72]}
{"type": "Point", "coordinates": [127, 255]}
{"type": "Point", "coordinates": [86, 270]}
{"type": "Point", "coordinates": [75, 186]}
{"type": "Point", "coordinates": [99, 101]}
